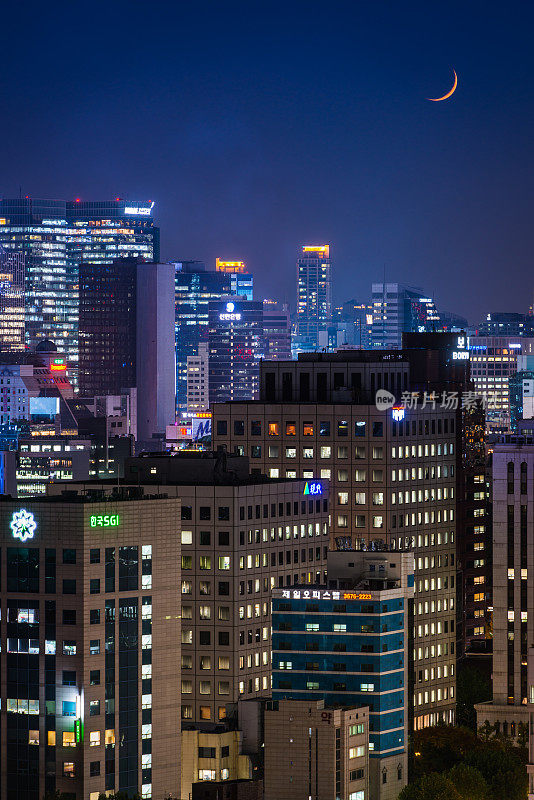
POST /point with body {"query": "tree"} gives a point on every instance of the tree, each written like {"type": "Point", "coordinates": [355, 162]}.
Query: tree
{"type": "Point", "coordinates": [439, 749]}
{"type": "Point", "coordinates": [431, 787]}
{"type": "Point", "coordinates": [472, 686]}
{"type": "Point", "coordinates": [503, 767]}
{"type": "Point", "coordinates": [118, 796]}
{"type": "Point", "coordinates": [469, 781]}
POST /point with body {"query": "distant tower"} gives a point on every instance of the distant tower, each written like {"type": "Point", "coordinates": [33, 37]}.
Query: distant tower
{"type": "Point", "coordinates": [12, 313]}
{"type": "Point", "coordinates": [314, 296]}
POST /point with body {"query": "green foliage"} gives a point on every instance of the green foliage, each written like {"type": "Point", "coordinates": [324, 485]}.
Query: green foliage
{"type": "Point", "coordinates": [439, 749]}
{"type": "Point", "coordinates": [472, 686]}
{"type": "Point", "coordinates": [468, 767]}
{"type": "Point", "coordinates": [118, 796]}
{"type": "Point", "coordinates": [431, 787]}
{"type": "Point", "coordinates": [469, 782]}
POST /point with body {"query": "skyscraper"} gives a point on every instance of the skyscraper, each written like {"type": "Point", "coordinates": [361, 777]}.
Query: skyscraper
{"type": "Point", "coordinates": [276, 331]}
{"type": "Point", "coordinates": [56, 236]}
{"type": "Point", "coordinates": [314, 296]}
{"type": "Point", "coordinates": [195, 287]}
{"type": "Point", "coordinates": [399, 309]}
{"type": "Point", "coordinates": [513, 610]}
{"type": "Point", "coordinates": [12, 317]}
{"type": "Point", "coordinates": [235, 347]}
{"type": "Point", "coordinates": [493, 362]}
{"type": "Point", "coordinates": [392, 474]}
{"type": "Point", "coordinates": [90, 698]}
{"type": "Point", "coordinates": [127, 337]}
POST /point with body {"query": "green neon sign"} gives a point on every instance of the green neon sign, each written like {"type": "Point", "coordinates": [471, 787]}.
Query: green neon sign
{"type": "Point", "coordinates": [104, 521]}
{"type": "Point", "coordinates": [78, 731]}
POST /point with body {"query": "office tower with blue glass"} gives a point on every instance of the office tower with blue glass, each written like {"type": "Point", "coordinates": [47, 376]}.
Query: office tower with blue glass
{"type": "Point", "coordinates": [399, 309]}
{"type": "Point", "coordinates": [90, 645]}
{"type": "Point", "coordinates": [195, 287]}
{"type": "Point", "coordinates": [348, 644]}
{"type": "Point", "coordinates": [56, 236]}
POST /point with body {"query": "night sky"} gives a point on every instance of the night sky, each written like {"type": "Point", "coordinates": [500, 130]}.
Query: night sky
{"type": "Point", "coordinates": [257, 127]}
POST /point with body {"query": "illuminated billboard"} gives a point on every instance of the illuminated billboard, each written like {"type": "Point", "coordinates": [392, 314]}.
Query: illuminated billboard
{"type": "Point", "coordinates": [44, 406]}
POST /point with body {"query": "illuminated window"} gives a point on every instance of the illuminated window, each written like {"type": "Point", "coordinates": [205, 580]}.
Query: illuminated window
{"type": "Point", "coordinates": [94, 739]}
{"type": "Point", "coordinates": [274, 429]}
{"type": "Point", "coordinates": [307, 428]}
{"type": "Point", "coordinates": [69, 739]}
{"type": "Point", "coordinates": [68, 768]}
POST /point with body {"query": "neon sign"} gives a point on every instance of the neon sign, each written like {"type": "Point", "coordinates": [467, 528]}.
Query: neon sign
{"type": "Point", "coordinates": [398, 413]}
{"type": "Point", "coordinates": [139, 210]}
{"type": "Point", "coordinates": [460, 355]}
{"type": "Point", "coordinates": [23, 525]}
{"type": "Point", "coordinates": [313, 488]}
{"type": "Point", "coordinates": [104, 521]}
{"type": "Point", "coordinates": [231, 314]}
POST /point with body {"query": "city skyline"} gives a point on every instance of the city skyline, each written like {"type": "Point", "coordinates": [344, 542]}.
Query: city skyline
{"type": "Point", "coordinates": [255, 152]}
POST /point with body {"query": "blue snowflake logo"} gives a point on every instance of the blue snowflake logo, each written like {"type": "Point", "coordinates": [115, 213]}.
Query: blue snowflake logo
{"type": "Point", "coordinates": [23, 525]}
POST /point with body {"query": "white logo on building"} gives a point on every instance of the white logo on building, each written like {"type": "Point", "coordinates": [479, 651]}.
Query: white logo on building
{"type": "Point", "coordinates": [23, 525]}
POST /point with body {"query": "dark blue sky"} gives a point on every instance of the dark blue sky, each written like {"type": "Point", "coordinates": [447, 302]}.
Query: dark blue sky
{"type": "Point", "coordinates": [259, 126]}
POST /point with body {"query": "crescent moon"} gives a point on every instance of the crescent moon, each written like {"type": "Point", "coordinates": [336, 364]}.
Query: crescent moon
{"type": "Point", "coordinates": [445, 96]}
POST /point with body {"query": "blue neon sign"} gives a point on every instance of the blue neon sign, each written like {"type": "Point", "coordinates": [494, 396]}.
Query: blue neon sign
{"type": "Point", "coordinates": [313, 488]}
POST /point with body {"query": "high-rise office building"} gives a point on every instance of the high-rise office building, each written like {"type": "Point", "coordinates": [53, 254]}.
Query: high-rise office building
{"type": "Point", "coordinates": [513, 608]}
{"type": "Point", "coordinates": [235, 341]}
{"type": "Point", "coordinates": [56, 237]}
{"type": "Point", "coordinates": [399, 309]}
{"type": "Point", "coordinates": [493, 362]}
{"type": "Point", "coordinates": [107, 327]}
{"type": "Point", "coordinates": [198, 379]}
{"type": "Point", "coordinates": [126, 330]}
{"type": "Point", "coordinates": [393, 476]}
{"type": "Point", "coordinates": [353, 324]}
{"type": "Point", "coordinates": [349, 645]}
{"type": "Point", "coordinates": [276, 331]}
{"type": "Point", "coordinates": [241, 281]}
{"type": "Point", "coordinates": [12, 316]}
{"type": "Point", "coordinates": [506, 324]}
{"type": "Point", "coordinates": [314, 296]}
{"type": "Point", "coordinates": [195, 287]}
{"type": "Point", "coordinates": [521, 392]}
{"type": "Point", "coordinates": [241, 536]}
{"type": "Point", "coordinates": [89, 697]}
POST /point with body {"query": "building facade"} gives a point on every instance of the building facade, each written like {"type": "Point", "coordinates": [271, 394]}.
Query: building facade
{"type": "Point", "coordinates": [398, 309]}
{"type": "Point", "coordinates": [392, 474]}
{"type": "Point", "coordinates": [493, 362]}
{"type": "Point", "coordinates": [12, 315]}
{"type": "Point", "coordinates": [314, 296]}
{"type": "Point", "coordinates": [82, 712]}
{"type": "Point", "coordinates": [195, 287]}
{"type": "Point", "coordinates": [126, 330]}
{"type": "Point", "coordinates": [513, 609]}
{"type": "Point", "coordinates": [56, 237]}
{"type": "Point", "coordinates": [276, 331]}
{"type": "Point", "coordinates": [241, 536]}
{"type": "Point", "coordinates": [350, 645]}
{"type": "Point", "coordinates": [235, 342]}
{"type": "Point", "coordinates": [198, 379]}
{"type": "Point", "coordinates": [313, 750]}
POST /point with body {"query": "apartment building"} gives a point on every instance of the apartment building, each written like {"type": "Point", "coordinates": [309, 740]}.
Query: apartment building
{"type": "Point", "coordinates": [90, 646]}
